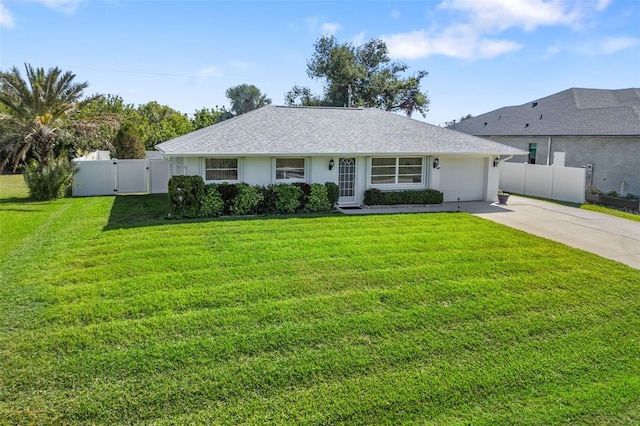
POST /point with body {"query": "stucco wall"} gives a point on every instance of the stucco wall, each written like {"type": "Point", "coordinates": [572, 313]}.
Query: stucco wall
{"type": "Point", "coordinates": [260, 171]}
{"type": "Point", "coordinates": [615, 159]}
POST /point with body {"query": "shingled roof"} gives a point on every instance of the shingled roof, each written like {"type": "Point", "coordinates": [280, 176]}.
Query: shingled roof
{"type": "Point", "coordinates": [315, 131]}
{"type": "Point", "coordinates": [573, 112]}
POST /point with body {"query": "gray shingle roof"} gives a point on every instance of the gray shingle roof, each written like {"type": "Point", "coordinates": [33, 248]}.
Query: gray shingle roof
{"type": "Point", "coordinates": [309, 131]}
{"type": "Point", "coordinates": [573, 112]}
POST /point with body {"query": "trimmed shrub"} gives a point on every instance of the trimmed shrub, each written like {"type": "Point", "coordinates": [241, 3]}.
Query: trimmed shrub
{"type": "Point", "coordinates": [287, 198]}
{"type": "Point", "coordinates": [185, 195]}
{"type": "Point", "coordinates": [304, 197]}
{"type": "Point", "coordinates": [212, 204]}
{"type": "Point", "coordinates": [376, 197]}
{"type": "Point", "coordinates": [228, 192]}
{"type": "Point", "coordinates": [268, 203]}
{"type": "Point", "coordinates": [128, 142]}
{"type": "Point", "coordinates": [53, 182]}
{"type": "Point", "coordinates": [333, 193]}
{"type": "Point", "coordinates": [247, 200]}
{"type": "Point", "coordinates": [318, 199]}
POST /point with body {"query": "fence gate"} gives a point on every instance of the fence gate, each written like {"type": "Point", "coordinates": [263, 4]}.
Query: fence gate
{"type": "Point", "coordinates": [131, 176]}
{"type": "Point", "coordinates": [112, 177]}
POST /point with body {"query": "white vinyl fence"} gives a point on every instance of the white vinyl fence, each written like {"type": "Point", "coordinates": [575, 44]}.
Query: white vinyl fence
{"type": "Point", "coordinates": [552, 182]}
{"type": "Point", "coordinates": [112, 177]}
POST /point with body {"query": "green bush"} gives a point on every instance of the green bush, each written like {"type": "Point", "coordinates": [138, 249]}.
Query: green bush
{"type": "Point", "coordinates": [212, 203]}
{"type": "Point", "coordinates": [128, 142]}
{"type": "Point", "coordinates": [287, 198]}
{"type": "Point", "coordinates": [304, 197]}
{"type": "Point", "coordinates": [185, 195]}
{"type": "Point", "coordinates": [53, 182]}
{"type": "Point", "coordinates": [333, 193]}
{"type": "Point", "coordinates": [376, 197]}
{"type": "Point", "coordinates": [247, 200]}
{"type": "Point", "coordinates": [268, 203]}
{"type": "Point", "coordinates": [318, 199]}
{"type": "Point", "coordinates": [228, 191]}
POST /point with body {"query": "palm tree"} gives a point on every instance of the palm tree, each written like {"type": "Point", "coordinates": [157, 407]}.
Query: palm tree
{"type": "Point", "coordinates": [245, 98]}
{"type": "Point", "coordinates": [34, 111]}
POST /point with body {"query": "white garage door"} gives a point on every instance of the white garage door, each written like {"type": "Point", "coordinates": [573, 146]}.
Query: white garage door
{"type": "Point", "coordinates": [462, 177]}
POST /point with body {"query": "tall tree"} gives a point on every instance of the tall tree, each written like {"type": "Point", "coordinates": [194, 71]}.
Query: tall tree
{"type": "Point", "coordinates": [36, 108]}
{"type": "Point", "coordinates": [159, 123]}
{"type": "Point", "coordinates": [245, 98]}
{"type": "Point", "coordinates": [363, 75]}
{"type": "Point", "coordinates": [206, 117]}
{"type": "Point", "coordinates": [128, 142]}
{"type": "Point", "coordinates": [96, 125]}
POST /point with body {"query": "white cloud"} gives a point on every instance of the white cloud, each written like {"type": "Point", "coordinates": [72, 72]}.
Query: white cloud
{"type": "Point", "coordinates": [602, 5]}
{"type": "Point", "coordinates": [492, 15]}
{"type": "Point", "coordinates": [358, 39]}
{"type": "Point", "coordinates": [329, 28]}
{"type": "Point", "coordinates": [64, 6]}
{"type": "Point", "coordinates": [612, 45]}
{"type": "Point", "coordinates": [473, 34]}
{"type": "Point", "coordinates": [553, 50]}
{"type": "Point", "coordinates": [241, 65]}
{"type": "Point", "coordinates": [6, 20]}
{"type": "Point", "coordinates": [458, 41]}
{"type": "Point", "coordinates": [315, 24]}
{"type": "Point", "coordinates": [208, 72]}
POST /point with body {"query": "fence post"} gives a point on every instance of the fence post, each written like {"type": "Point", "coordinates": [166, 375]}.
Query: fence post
{"type": "Point", "coordinates": [115, 176]}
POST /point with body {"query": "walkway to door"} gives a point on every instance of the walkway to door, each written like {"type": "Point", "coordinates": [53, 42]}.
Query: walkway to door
{"type": "Point", "coordinates": [605, 235]}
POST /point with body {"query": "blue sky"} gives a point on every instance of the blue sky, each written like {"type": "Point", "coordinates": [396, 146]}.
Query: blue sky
{"type": "Point", "coordinates": [480, 55]}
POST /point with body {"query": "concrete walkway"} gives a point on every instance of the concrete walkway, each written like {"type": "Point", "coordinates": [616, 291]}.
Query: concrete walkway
{"type": "Point", "coordinates": [605, 235]}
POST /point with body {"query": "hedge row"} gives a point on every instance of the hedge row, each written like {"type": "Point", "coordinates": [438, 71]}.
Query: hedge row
{"type": "Point", "coordinates": [376, 197]}
{"type": "Point", "coordinates": [190, 198]}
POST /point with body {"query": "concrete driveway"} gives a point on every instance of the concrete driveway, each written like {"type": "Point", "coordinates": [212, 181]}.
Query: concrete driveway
{"type": "Point", "coordinates": [605, 235]}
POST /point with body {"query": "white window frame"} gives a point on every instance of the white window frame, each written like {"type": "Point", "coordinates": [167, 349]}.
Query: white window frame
{"type": "Point", "coordinates": [274, 168]}
{"type": "Point", "coordinates": [396, 184]}
{"type": "Point", "coordinates": [239, 170]}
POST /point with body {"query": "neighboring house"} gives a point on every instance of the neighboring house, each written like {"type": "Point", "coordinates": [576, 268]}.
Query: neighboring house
{"type": "Point", "coordinates": [357, 148]}
{"type": "Point", "coordinates": [592, 128]}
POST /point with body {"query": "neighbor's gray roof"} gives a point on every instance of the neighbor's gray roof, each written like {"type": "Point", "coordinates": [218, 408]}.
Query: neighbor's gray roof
{"type": "Point", "coordinates": [309, 131]}
{"type": "Point", "coordinates": [573, 112]}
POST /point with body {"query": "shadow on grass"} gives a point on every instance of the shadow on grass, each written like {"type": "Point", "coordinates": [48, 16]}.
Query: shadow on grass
{"type": "Point", "coordinates": [19, 200]}
{"type": "Point", "coordinates": [134, 211]}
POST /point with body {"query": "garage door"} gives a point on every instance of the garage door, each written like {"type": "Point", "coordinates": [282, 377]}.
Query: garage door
{"type": "Point", "coordinates": [462, 177]}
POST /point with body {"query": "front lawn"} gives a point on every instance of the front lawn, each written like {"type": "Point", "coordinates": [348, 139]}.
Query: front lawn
{"type": "Point", "coordinates": [612, 211]}
{"type": "Point", "coordinates": [433, 318]}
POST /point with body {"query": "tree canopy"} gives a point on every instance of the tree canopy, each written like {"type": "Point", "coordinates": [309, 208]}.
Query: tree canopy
{"type": "Point", "coordinates": [208, 116]}
{"type": "Point", "coordinates": [363, 74]}
{"type": "Point", "coordinates": [245, 98]}
{"type": "Point", "coordinates": [37, 109]}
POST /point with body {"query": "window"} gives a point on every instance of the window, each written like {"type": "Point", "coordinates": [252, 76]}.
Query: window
{"type": "Point", "coordinates": [221, 169]}
{"type": "Point", "coordinates": [290, 169]}
{"type": "Point", "coordinates": [533, 147]}
{"type": "Point", "coordinates": [397, 170]}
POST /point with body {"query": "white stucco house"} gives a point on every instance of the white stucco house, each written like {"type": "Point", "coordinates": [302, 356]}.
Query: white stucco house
{"type": "Point", "coordinates": [357, 148]}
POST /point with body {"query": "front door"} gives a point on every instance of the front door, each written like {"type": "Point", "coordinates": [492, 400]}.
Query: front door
{"type": "Point", "coordinates": [347, 180]}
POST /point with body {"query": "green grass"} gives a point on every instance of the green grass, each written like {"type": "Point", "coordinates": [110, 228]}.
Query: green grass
{"type": "Point", "coordinates": [612, 211]}
{"type": "Point", "coordinates": [442, 318]}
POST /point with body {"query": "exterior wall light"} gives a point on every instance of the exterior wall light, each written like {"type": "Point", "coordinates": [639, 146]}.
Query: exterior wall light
{"type": "Point", "coordinates": [496, 162]}
{"type": "Point", "coordinates": [331, 163]}
{"type": "Point", "coordinates": [436, 163]}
